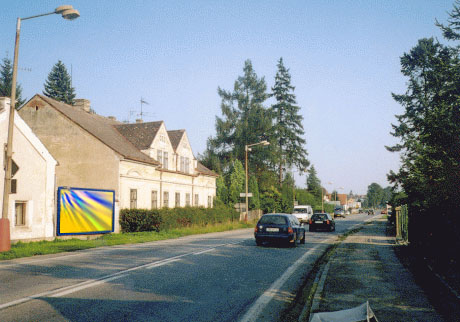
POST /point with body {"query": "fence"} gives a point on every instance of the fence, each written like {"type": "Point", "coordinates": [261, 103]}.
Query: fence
{"type": "Point", "coordinates": [402, 223]}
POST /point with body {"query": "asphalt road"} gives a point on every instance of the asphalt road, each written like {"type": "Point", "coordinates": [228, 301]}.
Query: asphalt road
{"type": "Point", "coordinates": [213, 277]}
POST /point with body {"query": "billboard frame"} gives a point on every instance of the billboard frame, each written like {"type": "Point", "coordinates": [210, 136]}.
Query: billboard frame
{"type": "Point", "coordinates": [58, 212]}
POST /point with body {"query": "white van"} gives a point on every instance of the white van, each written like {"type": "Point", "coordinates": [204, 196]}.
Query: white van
{"type": "Point", "coordinates": [303, 213]}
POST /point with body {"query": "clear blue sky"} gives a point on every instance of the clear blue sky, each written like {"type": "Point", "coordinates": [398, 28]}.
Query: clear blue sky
{"type": "Point", "coordinates": [343, 57]}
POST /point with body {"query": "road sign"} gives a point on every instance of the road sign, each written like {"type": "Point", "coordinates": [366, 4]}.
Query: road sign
{"type": "Point", "coordinates": [244, 195]}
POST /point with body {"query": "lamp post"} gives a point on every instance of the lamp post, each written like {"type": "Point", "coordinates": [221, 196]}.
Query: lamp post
{"type": "Point", "coordinates": [69, 13]}
{"type": "Point", "coordinates": [246, 149]}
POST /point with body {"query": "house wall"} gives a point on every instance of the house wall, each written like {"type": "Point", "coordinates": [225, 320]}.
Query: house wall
{"type": "Point", "coordinates": [84, 161]}
{"type": "Point", "coordinates": [145, 179]}
{"type": "Point", "coordinates": [35, 181]}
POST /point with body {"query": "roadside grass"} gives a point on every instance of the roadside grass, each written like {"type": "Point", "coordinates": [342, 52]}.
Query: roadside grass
{"type": "Point", "coordinates": [22, 249]}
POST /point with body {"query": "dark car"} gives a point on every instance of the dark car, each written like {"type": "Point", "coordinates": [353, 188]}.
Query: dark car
{"type": "Point", "coordinates": [279, 228]}
{"type": "Point", "coordinates": [322, 221]}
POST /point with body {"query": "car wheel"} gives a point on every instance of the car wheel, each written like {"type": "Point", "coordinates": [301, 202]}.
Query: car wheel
{"type": "Point", "coordinates": [310, 228]}
{"type": "Point", "coordinates": [302, 241]}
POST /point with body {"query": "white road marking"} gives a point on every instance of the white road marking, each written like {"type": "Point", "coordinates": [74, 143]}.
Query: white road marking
{"type": "Point", "coordinates": [94, 282]}
{"type": "Point", "coordinates": [253, 313]}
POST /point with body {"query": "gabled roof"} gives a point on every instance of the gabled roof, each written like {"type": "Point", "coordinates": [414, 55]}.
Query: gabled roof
{"type": "Point", "coordinates": [175, 137]}
{"type": "Point", "coordinates": [102, 128]}
{"type": "Point", "coordinates": [140, 134]}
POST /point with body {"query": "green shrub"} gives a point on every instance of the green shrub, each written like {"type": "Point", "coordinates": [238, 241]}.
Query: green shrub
{"type": "Point", "coordinates": [135, 220]}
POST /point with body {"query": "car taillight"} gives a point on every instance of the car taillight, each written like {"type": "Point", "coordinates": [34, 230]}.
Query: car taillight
{"type": "Point", "coordinates": [328, 222]}
{"type": "Point", "coordinates": [255, 229]}
{"type": "Point", "coordinates": [311, 221]}
{"type": "Point", "coordinates": [290, 231]}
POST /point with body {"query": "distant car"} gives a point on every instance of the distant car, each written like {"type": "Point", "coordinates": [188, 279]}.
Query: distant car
{"type": "Point", "coordinates": [322, 221]}
{"type": "Point", "coordinates": [370, 212]}
{"type": "Point", "coordinates": [339, 212]}
{"type": "Point", "coordinates": [384, 212]}
{"type": "Point", "coordinates": [284, 228]}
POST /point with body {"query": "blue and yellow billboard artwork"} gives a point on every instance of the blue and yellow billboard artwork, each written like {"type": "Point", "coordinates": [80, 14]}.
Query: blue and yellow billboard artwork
{"type": "Point", "coordinates": [85, 211]}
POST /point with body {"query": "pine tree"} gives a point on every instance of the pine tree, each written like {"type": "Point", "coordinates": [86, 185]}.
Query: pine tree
{"type": "Point", "coordinates": [58, 85]}
{"type": "Point", "coordinates": [288, 129]}
{"type": "Point", "coordinates": [6, 80]}
{"type": "Point", "coordinates": [313, 183]}
{"type": "Point", "coordinates": [244, 121]}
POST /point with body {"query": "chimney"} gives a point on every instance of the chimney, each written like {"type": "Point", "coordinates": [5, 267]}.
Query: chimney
{"type": "Point", "coordinates": [138, 120]}
{"type": "Point", "coordinates": [112, 118]}
{"type": "Point", "coordinates": [84, 104]}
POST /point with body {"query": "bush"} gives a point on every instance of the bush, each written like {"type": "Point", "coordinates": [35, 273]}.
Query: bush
{"type": "Point", "coordinates": [134, 220]}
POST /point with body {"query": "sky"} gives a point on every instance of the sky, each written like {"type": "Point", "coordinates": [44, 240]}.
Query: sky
{"type": "Point", "coordinates": [343, 56]}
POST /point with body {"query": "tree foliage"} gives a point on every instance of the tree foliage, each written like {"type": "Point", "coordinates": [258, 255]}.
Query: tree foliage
{"type": "Point", "coordinates": [244, 121]}
{"type": "Point", "coordinates": [6, 82]}
{"type": "Point", "coordinates": [59, 86]}
{"type": "Point", "coordinates": [313, 183]}
{"type": "Point", "coordinates": [287, 129]}
{"type": "Point", "coordinates": [429, 132]}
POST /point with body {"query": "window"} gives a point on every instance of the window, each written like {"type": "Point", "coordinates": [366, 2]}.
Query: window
{"type": "Point", "coordinates": [182, 164]}
{"type": "Point", "coordinates": [160, 156]}
{"type": "Point", "coordinates": [197, 200]}
{"type": "Point", "coordinates": [165, 199]}
{"type": "Point", "coordinates": [187, 200]}
{"type": "Point", "coordinates": [165, 160]}
{"type": "Point", "coordinates": [177, 199]}
{"type": "Point", "coordinates": [20, 213]}
{"type": "Point", "coordinates": [133, 198]}
{"type": "Point", "coordinates": [154, 199]}
{"type": "Point", "coordinates": [209, 201]}
{"type": "Point", "coordinates": [187, 166]}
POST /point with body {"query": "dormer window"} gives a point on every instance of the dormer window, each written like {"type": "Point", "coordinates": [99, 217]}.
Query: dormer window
{"type": "Point", "coordinates": [184, 164]}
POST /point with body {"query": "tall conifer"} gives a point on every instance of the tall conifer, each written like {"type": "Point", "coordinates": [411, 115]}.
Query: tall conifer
{"type": "Point", "coordinates": [58, 85]}
{"type": "Point", "coordinates": [6, 80]}
{"type": "Point", "coordinates": [288, 129]}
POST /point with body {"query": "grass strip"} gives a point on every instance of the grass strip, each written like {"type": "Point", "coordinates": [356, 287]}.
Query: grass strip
{"type": "Point", "coordinates": [27, 249]}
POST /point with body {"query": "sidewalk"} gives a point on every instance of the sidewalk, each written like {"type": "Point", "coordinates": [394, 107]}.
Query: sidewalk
{"type": "Point", "coordinates": [365, 268]}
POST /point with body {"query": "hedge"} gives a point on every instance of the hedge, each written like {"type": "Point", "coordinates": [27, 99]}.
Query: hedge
{"type": "Point", "coordinates": [135, 220]}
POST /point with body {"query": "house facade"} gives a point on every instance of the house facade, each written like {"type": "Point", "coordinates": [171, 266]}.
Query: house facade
{"type": "Point", "coordinates": [31, 203]}
{"type": "Point", "coordinates": [146, 165]}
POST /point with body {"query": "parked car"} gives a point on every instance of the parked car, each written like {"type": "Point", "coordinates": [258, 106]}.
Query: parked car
{"type": "Point", "coordinates": [284, 228]}
{"type": "Point", "coordinates": [370, 212]}
{"type": "Point", "coordinates": [303, 213]}
{"type": "Point", "coordinates": [339, 212]}
{"type": "Point", "coordinates": [322, 221]}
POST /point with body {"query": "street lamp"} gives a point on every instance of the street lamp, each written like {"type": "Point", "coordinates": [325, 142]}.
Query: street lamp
{"type": "Point", "coordinates": [246, 149]}
{"type": "Point", "coordinates": [69, 13]}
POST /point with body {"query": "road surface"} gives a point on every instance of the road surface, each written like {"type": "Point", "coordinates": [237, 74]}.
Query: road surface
{"type": "Point", "coordinates": [212, 277]}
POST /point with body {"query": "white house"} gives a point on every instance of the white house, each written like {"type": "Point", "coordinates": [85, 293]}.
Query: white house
{"type": "Point", "coordinates": [31, 205]}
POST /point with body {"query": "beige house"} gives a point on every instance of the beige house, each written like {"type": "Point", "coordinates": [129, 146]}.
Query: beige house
{"type": "Point", "coordinates": [146, 165]}
{"type": "Point", "coordinates": [31, 203]}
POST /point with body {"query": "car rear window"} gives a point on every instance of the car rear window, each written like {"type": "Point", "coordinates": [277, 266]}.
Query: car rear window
{"type": "Point", "coordinates": [273, 220]}
{"type": "Point", "coordinates": [319, 217]}
{"type": "Point", "coordinates": [300, 211]}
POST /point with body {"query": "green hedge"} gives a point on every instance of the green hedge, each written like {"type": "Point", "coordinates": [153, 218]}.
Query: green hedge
{"type": "Point", "coordinates": [134, 220]}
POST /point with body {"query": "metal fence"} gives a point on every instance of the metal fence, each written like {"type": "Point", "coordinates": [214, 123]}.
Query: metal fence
{"type": "Point", "coordinates": [402, 223]}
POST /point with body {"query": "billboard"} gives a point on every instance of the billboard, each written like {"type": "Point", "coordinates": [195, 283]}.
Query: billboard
{"type": "Point", "coordinates": [85, 211]}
